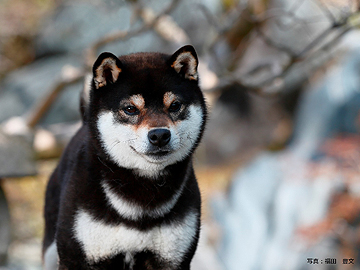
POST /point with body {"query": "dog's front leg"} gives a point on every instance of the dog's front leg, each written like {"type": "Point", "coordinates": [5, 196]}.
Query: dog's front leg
{"type": "Point", "coordinates": [72, 266]}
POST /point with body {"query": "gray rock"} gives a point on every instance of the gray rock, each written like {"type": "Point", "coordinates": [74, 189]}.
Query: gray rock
{"type": "Point", "coordinates": [269, 199]}
{"type": "Point", "coordinates": [90, 22]}
{"type": "Point", "coordinates": [245, 216]}
{"type": "Point", "coordinates": [16, 156]}
{"type": "Point", "coordinates": [27, 86]}
{"type": "Point", "coordinates": [76, 25]}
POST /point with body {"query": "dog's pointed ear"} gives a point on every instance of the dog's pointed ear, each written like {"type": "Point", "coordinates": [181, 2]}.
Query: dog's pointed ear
{"type": "Point", "coordinates": [185, 62]}
{"type": "Point", "coordinates": [106, 69]}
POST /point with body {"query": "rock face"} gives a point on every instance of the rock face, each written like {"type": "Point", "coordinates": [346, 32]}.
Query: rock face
{"type": "Point", "coordinates": [276, 195]}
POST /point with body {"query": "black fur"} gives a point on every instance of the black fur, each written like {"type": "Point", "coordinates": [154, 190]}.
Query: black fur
{"type": "Point", "coordinates": [76, 182]}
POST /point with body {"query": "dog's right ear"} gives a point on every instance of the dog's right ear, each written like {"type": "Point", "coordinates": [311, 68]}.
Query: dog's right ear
{"type": "Point", "coordinates": [106, 69]}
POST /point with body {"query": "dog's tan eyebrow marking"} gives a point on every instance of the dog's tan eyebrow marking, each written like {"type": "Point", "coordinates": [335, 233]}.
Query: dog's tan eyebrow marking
{"type": "Point", "coordinates": [138, 101]}
{"type": "Point", "coordinates": [169, 98]}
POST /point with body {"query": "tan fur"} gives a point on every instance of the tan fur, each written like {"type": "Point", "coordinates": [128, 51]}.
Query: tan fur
{"type": "Point", "coordinates": [138, 101]}
{"type": "Point", "coordinates": [100, 80]}
{"type": "Point", "coordinates": [168, 99]}
{"type": "Point", "coordinates": [192, 63]}
{"type": "Point", "coordinates": [154, 121]}
{"type": "Point", "coordinates": [147, 118]}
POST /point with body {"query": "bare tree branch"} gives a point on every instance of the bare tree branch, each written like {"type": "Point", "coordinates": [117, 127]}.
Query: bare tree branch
{"type": "Point", "coordinates": [325, 9]}
{"type": "Point", "coordinates": [43, 106]}
{"type": "Point", "coordinates": [325, 41]}
{"type": "Point", "coordinates": [274, 44]}
{"type": "Point", "coordinates": [91, 53]}
{"type": "Point", "coordinates": [164, 26]}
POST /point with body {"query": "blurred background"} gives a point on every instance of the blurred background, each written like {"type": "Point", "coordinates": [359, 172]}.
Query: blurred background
{"type": "Point", "coordinates": [279, 166]}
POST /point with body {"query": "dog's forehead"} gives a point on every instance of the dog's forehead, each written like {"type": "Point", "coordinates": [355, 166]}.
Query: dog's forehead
{"type": "Point", "coordinates": [144, 61]}
{"type": "Point", "coordinates": [145, 74]}
{"type": "Point", "coordinates": [147, 78]}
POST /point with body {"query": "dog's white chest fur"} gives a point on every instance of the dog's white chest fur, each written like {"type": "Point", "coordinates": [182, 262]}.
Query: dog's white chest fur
{"type": "Point", "coordinates": [100, 240]}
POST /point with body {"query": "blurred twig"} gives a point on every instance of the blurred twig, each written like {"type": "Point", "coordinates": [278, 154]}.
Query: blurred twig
{"type": "Point", "coordinates": [91, 52]}
{"type": "Point", "coordinates": [324, 8]}
{"type": "Point", "coordinates": [40, 109]}
{"type": "Point", "coordinates": [323, 42]}
{"type": "Point", "coordinates": [222, 27]}
{"type": "Point", "coordinates": [303, 54]}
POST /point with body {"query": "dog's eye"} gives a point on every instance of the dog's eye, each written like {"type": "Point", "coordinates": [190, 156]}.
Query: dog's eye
{"type": "Point", "coordinates": [131, 110]}
{"type": "Point", "coordinates": [175, 106]}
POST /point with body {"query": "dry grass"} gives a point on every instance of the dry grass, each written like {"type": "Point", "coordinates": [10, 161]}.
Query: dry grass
{"type": "Point", "coordinates": [25, 196]}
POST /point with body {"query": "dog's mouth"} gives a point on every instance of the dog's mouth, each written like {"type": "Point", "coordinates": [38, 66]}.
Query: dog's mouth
{"type": "Point", "coordinates": [158, 153]}
{"type": "Point", "coordinates": [154, 155]}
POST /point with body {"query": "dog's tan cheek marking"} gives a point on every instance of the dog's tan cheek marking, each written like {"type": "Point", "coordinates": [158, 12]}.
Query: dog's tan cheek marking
{"type": "Point", "coordinates": [168, 99]}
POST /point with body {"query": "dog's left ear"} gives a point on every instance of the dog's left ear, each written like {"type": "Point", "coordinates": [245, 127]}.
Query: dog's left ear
{"type": "Point", "coordinates": [185, 62]}
{"type": "Point", "coordinates": [106, 69]}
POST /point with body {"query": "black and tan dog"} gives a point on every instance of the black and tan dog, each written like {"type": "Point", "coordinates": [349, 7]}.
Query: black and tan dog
{"type": "Point", "coordinates": [124, 195]}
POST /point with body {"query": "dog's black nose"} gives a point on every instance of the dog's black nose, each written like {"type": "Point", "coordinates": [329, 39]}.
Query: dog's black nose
{"type": "Point", "coordinates": [159, 137]}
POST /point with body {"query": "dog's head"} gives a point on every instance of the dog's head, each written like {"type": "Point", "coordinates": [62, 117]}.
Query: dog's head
{"type": "Point", "coordinates": [147, 109]}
